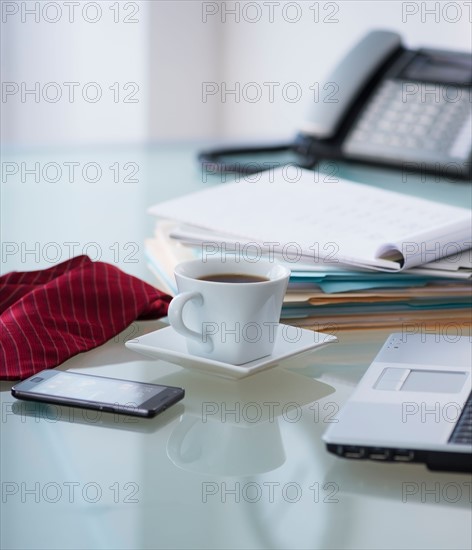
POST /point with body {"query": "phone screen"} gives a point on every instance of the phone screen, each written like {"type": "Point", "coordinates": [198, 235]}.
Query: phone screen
{"type": "Point", "coordinates": [96, 389]}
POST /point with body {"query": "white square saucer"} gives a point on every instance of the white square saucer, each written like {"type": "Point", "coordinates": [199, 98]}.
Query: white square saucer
{"type": "Point", "coordinates": [169, 345]}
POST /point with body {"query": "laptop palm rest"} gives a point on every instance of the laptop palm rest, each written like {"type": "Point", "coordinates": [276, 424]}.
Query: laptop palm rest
{"type": "Point", "coordinates": [411, 405]}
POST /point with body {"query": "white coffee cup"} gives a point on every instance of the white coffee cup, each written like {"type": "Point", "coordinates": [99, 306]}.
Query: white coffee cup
{"type": "Point", "coordinates": [232, 322]}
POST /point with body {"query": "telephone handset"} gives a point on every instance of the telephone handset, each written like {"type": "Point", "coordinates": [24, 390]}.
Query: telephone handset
{"type": "Point", "coordinates": [392, 106]}
{"type": "Point", "coordinates": [349, 77]}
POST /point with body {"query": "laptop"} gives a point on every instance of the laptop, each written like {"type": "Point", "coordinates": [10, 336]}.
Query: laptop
{"type": "Point", "coordinates": [412, 405]}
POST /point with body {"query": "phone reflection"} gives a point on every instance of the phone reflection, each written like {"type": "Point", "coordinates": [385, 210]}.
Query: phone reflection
{"type": "Point", "coordinates": [232, 428]}
{"type": "Point", "coordinates": [37, 411]}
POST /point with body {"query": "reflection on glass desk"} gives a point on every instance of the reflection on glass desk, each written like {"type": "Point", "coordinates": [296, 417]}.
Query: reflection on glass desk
{"type": "Point", "coordinates": [236, 464]}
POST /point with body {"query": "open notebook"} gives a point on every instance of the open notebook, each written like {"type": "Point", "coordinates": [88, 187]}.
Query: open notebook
{"type": "Point", "coordinates": [341, 221]}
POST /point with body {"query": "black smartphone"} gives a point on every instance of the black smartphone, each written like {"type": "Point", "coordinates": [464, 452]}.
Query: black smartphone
{"type": "Point", "coordinates": [98, 392]}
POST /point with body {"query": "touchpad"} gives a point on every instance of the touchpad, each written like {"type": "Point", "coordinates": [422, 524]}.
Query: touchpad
{"type": "Point", "coordinates": [402, 379]}
{"type": "Point", "coordinates": [435, 381]}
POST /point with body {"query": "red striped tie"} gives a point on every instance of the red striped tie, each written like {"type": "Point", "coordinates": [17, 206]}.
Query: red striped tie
{"type": "Point", "coordinates": [50, 315]}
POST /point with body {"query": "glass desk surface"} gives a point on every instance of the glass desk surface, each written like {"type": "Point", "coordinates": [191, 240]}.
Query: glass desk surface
{"type": "Point", "coordinates": [236, 464]}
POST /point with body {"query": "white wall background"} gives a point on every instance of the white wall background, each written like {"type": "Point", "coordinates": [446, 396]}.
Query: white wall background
{"type": "Point", "coordinates": [184, 52]}
{"type": "Point", "coordinates": [174, 47]}
{"type": "Point", "coordinates": [305, 52]}
{"type": "Point", "coordinates": [35, 49]}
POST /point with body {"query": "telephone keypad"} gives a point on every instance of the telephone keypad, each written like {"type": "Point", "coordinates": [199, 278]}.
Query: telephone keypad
{"type": "Point", "coordinates": [407, 121]}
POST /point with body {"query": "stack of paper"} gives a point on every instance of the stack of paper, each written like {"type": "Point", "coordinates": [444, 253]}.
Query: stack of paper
{"type": "Point", "coordinates": [337, 299]}
{"type": "Point", "coordinates": [360, 257]}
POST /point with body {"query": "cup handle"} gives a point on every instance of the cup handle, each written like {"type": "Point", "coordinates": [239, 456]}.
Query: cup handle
{"type": "Point", "coordinates": [175, 312]}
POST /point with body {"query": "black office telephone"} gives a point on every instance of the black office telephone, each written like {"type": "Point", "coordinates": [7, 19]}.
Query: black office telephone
{"type": "Point", "coordinates": [392, 107]}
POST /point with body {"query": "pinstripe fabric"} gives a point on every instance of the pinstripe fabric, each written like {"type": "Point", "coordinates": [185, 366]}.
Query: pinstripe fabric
{"type": "Point", "coordinates": [50, 315]}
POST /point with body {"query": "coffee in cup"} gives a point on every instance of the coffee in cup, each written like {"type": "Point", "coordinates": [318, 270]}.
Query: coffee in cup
{"type": "Point", "coordinates": [229, 310]}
